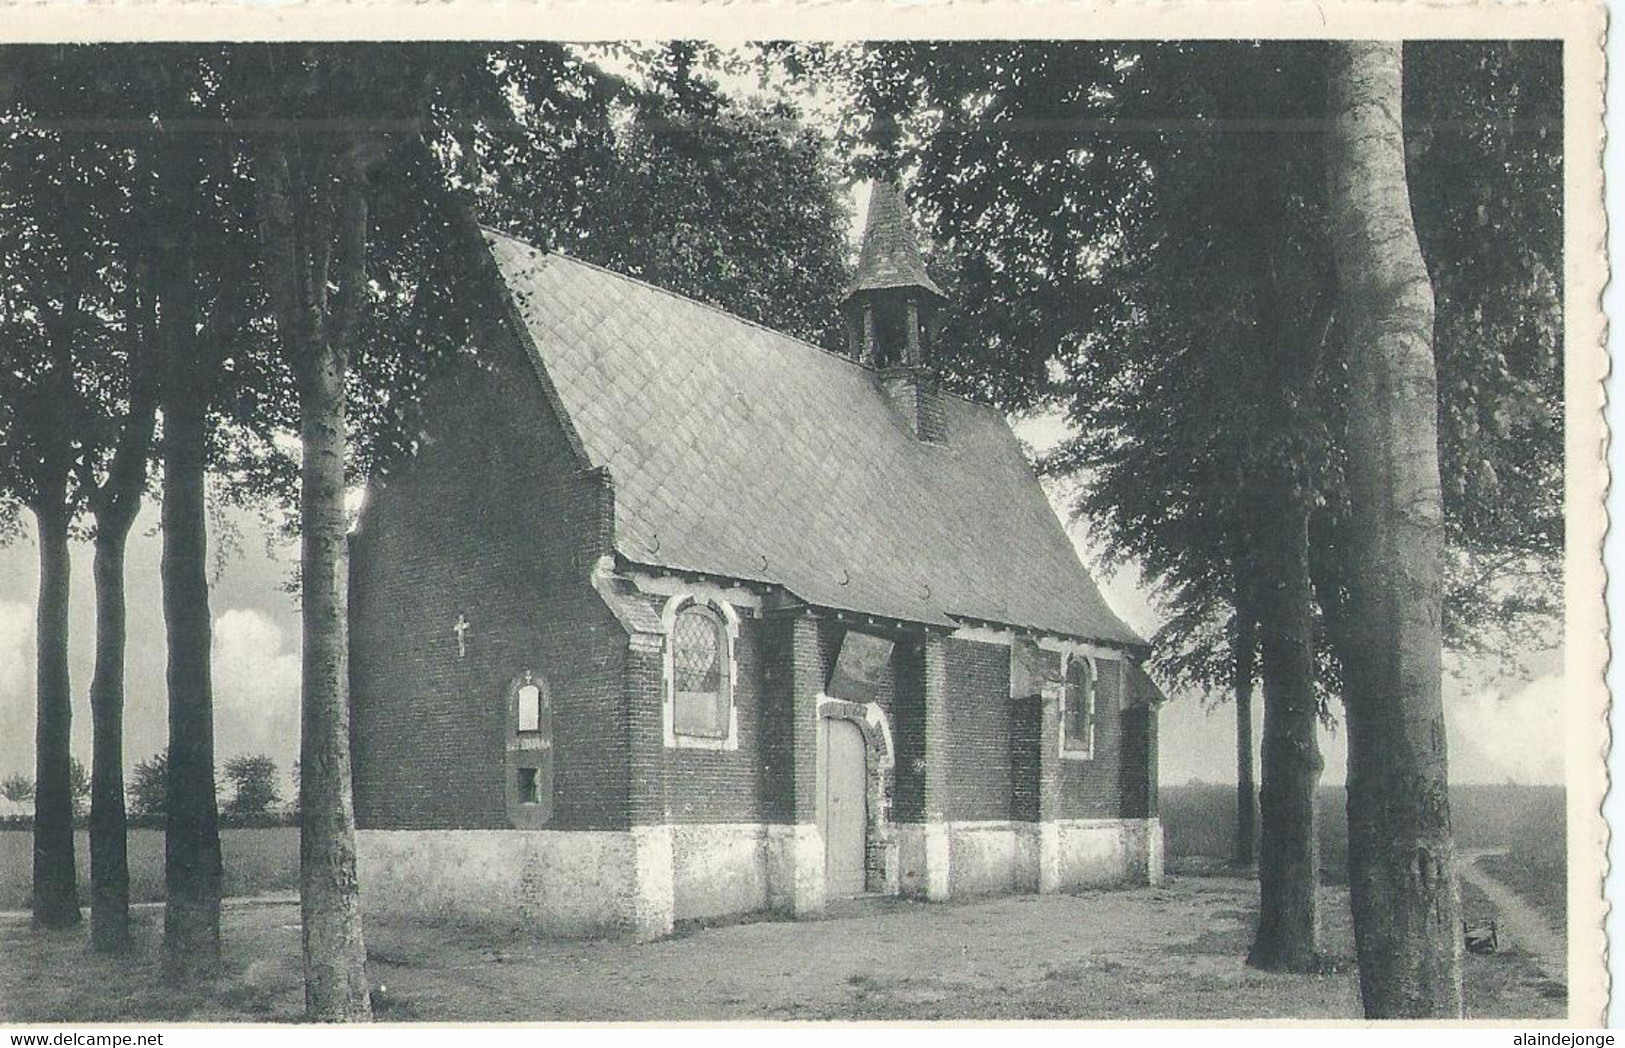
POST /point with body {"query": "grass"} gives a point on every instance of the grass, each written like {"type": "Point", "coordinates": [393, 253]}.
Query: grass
{"type": "Point", "coordinates": [259, 861]}
{"type": "Point", "coordinates": [1538, 876]}
{"type": "Point", "coordinates": [1521, 827]}
{"type": "Point", "coordinates": [1172, 952]}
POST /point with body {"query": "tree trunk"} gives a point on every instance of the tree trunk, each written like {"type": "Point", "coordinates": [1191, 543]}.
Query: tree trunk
{"type": "Point", "coordinates": [115, 502]}
{"type": "Point", "coordinates": [1245, 668]}
{"type": "Point", "coordinates": [1402, 884]}
{"type": "Point", "coordinates": [1288, 936]}
{"type": "Point", "coordinates": [335, 953]}
{"type": "Point", "coordinates": [192, 866]}
{"type": "Point", "coordinates": [56, 888]}
{"type": "Point", "coordinates": [109, 862]}
{"type": "Point", "coordinates": [315, 222]}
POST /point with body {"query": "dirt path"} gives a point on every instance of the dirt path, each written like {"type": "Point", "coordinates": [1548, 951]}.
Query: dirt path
{"type": "Point", "coordinates": [274, 899]}
{"type": "Point", "coordinates": [1520, 922]}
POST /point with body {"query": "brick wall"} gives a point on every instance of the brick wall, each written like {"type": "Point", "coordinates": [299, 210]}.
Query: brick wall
{"type": "Point", "coordinates": [908, 730]}
{"type": "Point", "coordinates": [495, 520]}
{"type": "Point", "coordinates": [980, 773]}
{"type": "Point", "coordinates": [728, 785]}
{"type": "Point", "coordinates": [1092, 789]}
{"type": "Point", "coordinates": [1138, 766]}
{"type": "Point", "coordinates": [643, 687]}
{"type": "Point", "coordinates": [797, 656]}
{"type": "Point", "coordinates": [1029, 736]}
{"type": "Point", "coordinates": [1026, 737]}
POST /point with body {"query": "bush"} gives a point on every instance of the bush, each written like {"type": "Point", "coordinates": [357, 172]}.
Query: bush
{"type": "Point", "coordinates": [18, 788]}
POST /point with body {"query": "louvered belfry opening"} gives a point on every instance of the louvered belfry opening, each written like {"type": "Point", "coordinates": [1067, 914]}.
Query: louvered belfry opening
{"type": "Point", "coordinates": [891, 312]}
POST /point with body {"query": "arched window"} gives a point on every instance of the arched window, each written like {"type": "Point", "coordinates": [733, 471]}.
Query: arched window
{"type": "Point", "coordinates": [1078, 708]}
{"type": "Point", "coordinates": [701, 684]}
{"type": "Point", "coordinates": [530, 708]}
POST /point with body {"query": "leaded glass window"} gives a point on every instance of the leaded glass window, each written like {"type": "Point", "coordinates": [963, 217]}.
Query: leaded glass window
{"type": "Point", "coordinates": [1078, 707]}
{"type": "Point", "coordinates": [699, 642]}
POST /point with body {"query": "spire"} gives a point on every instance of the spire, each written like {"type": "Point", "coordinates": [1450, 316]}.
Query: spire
{"type": "Point", "coordinates": [891, 307]}
{"type": "Point", "coordinates": [890, 257]}
{"type": "Point", "coordinates": [891, 314]}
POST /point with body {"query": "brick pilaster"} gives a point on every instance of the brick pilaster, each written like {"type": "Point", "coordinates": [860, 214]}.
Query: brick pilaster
{"type": "Point", "coordinates": [652, 890]}
{"type": "Point", "coordinates": [935, 681]}
{"type": "Point", "coordinates": [806, 683]}
{"type": "Point", "coordinates": [924, 846]}
{"type": "Point", "coordinates": [1049, 787]}
{"type": "Point", "coordinates": [796, 848]}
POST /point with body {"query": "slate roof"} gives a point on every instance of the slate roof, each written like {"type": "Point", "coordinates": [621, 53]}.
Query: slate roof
{"type": "Point", "coordinates": [890, 256]}
{"type": "Point", "coordinates": [740, 452]}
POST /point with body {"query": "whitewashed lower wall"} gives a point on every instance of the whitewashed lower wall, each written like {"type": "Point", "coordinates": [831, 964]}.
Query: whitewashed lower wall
{"type": "Point", "coordinates": [596, 883]}
{"type": "Point", "coordinates": [1099, 852]}
{"type": "Point", "coordinates": [990, 858]}
{"type": "Point", "coordinates": [719, 869]}
{"type": "Point", "coordinates": [568, 883]}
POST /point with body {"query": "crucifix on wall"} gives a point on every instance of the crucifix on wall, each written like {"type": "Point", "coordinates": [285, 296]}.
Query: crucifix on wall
{"type": "Point", "coordinates": [461, 628]}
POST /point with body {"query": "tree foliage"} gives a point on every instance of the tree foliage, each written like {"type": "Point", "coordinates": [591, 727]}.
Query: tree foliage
{"type": "Point", "coordinates": [78, 785]}
{"type": "Point", "coordinates": [149, 785]}
{"type": "Point", "coordinates": [1105, 206]}
{"type": "Point", "coordinates": [253, 782]}
{"type": "Point", "coordinates": [730, 202]}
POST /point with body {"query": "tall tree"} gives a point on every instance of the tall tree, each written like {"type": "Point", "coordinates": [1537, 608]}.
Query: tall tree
{"type": "Point", "coordinates": [193, 868]}
{"type": "Point", "coordinates": [1402, 884]}
{"type": "Point", "coordinates": [57, 312]}
{"type": "Point", "coordinates": [203, 282]}
{"type": "Point", "coordinates": [1123, 222]}
{"type": "Point", "coordinates": [114, 464]}
{"type": "Point", "coordinates": [313, 212]}
{"type": "Point", "coordinates": [1131, 245]}
{"type": "Point", "coordinates": [115, 499]}
{"type": "Point", "coordinates": [725, 201]}
{"type": "Point", "coordinates": [51, 496]}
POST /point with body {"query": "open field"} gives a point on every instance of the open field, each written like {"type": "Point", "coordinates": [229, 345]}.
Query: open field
{"type": "Point", "coordinates": [1539, 877]}
{"type": "Point", "coordinates": [258, 861]}
{"type": "Point", "coordinates": [1514, 833]}
{"type": "Point", "coordinates": [1199, 821]}
{"type": "Point", "coordinates": [1173, 952]}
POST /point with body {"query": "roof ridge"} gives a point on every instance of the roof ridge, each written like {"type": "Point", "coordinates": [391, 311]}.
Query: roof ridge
{"type": "Point", "coordinates": [714, 308]}
{"type": "Point", "coordinates": [668, 292]}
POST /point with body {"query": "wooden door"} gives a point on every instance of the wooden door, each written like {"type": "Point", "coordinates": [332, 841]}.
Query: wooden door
{"type": "Point", "coordinates": [845, 807]}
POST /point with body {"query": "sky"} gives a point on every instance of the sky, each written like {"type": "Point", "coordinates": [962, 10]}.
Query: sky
{"type": "Point", "coordinates": [255, 662]}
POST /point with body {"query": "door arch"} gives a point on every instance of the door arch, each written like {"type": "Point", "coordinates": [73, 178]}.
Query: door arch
{"type": "Point", "coordinates": [843, 806]}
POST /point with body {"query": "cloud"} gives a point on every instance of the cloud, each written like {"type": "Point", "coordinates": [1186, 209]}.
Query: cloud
{"type": "Point", "coordinates": [1515, 734]}
{"type": "Point", "coordinates": [16, 687]}
{"type": "Point", "coordinates": [256, 688]}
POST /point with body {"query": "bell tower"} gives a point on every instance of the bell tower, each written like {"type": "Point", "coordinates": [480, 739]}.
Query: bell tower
{"type": "Point", "coordinates": [891, 308]}
{"type": "Point", "coordinates": [891, 314]}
